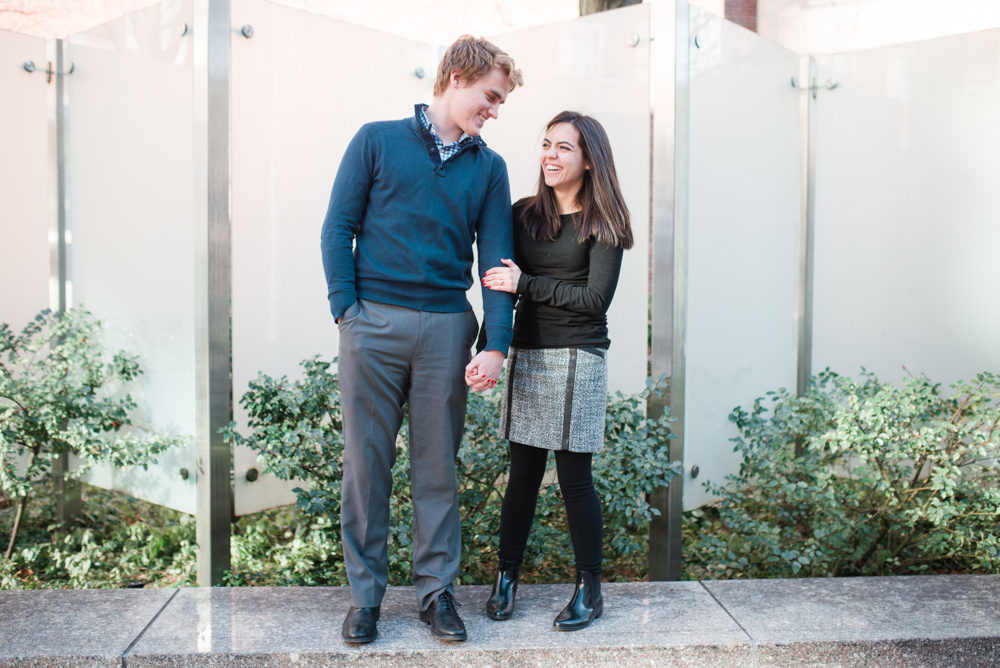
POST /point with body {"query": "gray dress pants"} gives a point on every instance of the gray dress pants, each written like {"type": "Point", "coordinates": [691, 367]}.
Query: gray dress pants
{"type": "Point", "coordinates": [390, 355]}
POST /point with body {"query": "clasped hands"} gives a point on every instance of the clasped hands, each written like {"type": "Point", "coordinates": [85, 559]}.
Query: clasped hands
{"type": "Point", "coordinates": [483, 371]}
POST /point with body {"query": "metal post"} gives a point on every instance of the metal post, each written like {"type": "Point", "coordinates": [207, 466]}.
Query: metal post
{"type": "Point", "coordinates": [66, 492]}
{"type": "Point", "coordinates": [57, 98]}
{"type": "Point", "coordinates": [212, 287]}
{"type": "Point", "coordinates": [669, 77]}
{"type": "Point", "coordinates": [807, 217]}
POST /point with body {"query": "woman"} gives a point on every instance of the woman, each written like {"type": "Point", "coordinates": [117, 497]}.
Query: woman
{"type": "Point", "coordinates": [568, 244]}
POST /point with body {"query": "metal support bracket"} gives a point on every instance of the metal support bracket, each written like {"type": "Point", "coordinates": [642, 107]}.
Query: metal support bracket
{"type": "Point", "coordinates": [813, 86]}
{"type": "Point", "coordinates": [29, 67]}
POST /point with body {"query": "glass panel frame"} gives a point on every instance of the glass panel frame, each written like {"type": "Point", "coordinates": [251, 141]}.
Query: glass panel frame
{"type": "Point", "coordinates": [24, 180]}
{"type": "Point", "coordinates": [743, 238]}
{"type": "Point", "coordinates": [297, 66]}
{"type": "Point", "coordinates": [130, 179]}
{"type": "Point", "coordinates": [24, 183]}
{"type": "Point", "coordinates": [906, 201]}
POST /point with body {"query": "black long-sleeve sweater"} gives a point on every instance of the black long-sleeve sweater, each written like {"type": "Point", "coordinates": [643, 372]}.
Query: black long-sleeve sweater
{"type": "Point", "coordinates": [565, 288]}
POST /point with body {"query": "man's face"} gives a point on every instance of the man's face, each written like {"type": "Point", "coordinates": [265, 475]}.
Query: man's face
{"type": "Point", "coordinates": [474, 102]}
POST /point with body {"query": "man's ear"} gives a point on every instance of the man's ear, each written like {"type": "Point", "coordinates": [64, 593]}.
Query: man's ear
{"type": "Point", "coordinates": [455, 81]}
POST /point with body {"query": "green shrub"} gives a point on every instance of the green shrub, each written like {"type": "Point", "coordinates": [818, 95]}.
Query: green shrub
{"type": "Point", "coordinates": [58, 397]}
{"type": "Point", "coordinates": [119, 540]}
{"type": "Point", "coordinates": [857, 478]}
{"type": "Point", "coordinates": [296, 427]}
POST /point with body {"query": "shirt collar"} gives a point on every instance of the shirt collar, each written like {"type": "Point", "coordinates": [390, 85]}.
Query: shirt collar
{"type": "Point", "coordinates": [426, 122]}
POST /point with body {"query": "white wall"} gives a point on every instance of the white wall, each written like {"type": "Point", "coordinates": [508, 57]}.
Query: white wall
{"type": "Point", "coordinates": [832, 26]}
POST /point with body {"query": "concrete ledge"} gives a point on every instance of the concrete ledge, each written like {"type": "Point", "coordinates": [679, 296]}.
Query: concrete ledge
{"type": "Point", "coordinates": [940, 621]}
{"type": "Point", "coordinates": [933, 621]}
{"type": "Point", "coordinates": [88, 627]}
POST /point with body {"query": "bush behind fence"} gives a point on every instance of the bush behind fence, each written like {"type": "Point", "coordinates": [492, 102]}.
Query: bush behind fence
{"type": "Point", "coordinates": [297, 429]}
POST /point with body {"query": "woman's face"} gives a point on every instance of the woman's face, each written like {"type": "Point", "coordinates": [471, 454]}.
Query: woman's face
{"type": "Point", "coordinates": [562, 159]}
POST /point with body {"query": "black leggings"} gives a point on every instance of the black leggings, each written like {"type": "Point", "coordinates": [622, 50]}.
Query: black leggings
{"type": "Point", "coordinates": [583, 509]}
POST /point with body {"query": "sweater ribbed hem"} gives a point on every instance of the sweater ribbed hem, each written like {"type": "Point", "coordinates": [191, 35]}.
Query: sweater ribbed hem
{"type": "Point", "coordinates": [435, 300]}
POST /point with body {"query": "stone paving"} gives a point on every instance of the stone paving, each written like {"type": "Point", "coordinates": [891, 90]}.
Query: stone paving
{"type": "Point", "coordinates": [932, 621]}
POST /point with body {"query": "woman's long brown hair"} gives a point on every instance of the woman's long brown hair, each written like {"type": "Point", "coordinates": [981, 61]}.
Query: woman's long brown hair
{"type": "Point", "coordinates": [603, 214]}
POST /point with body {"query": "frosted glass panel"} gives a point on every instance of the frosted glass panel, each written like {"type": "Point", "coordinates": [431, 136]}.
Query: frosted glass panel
{"type": "Point", "coordinates": [743, 237]}
{"type": "Point", "coordinates": [301, 88]}
{"type": "Point", "coordinates": [130, 183]}
{"type": "Point", "coordinates": [24, 229]}
{"type": "Point", "coordinates": [907, 233]}
{"type": "Point", "coordinates": [588, 65]}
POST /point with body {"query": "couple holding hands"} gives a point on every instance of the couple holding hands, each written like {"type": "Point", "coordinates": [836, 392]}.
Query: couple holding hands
{"type": "Point", "coordinates": [409, 200]}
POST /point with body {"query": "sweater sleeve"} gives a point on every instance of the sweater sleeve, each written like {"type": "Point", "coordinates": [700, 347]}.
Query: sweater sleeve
{"type": "Point", "coordinates": [494, 240]}
{"type": "Point", "coordinates": [343, 220]}
{"type": "Point", "coordinates": [594, 298]}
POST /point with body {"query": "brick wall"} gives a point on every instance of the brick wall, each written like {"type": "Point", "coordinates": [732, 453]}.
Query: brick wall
{"type": "Point", "coordinates": [743, 12]}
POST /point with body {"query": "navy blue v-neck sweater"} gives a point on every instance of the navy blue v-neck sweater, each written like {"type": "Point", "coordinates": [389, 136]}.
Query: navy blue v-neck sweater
{"type": "Point", "coordinates": [412, 221]}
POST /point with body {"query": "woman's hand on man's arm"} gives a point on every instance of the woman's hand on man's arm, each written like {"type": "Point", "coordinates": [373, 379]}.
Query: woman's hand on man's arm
{"type": "Point", "coordinates": [504, 279]}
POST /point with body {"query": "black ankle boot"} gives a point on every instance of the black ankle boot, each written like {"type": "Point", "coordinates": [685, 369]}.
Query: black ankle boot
{"type": "Point", "coordinates": [585, 606]}
{"type": "Point", "coordinates": [501, 603]}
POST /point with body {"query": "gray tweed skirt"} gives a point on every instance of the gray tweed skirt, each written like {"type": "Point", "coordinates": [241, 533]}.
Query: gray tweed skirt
{"type": "Point", "coordinates": [556, 398]}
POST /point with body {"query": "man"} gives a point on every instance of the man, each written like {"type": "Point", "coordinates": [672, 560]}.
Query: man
{"type": "Point", "coordinates": [414, 195]}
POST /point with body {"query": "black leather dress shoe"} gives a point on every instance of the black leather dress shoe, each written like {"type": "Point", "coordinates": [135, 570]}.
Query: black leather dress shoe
{"type": "Point", "coordinates": [585, 606]}
{"type": "Point", "coordinates": [501, 603]}
{"type": "Point", "coordinates": [443, 617]}
{"type": "Point", "coordinates": [359, 625]}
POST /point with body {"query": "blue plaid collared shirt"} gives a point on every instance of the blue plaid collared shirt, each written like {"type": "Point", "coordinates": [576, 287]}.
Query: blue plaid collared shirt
{"type": "Point", "coordinates": [444, 150]}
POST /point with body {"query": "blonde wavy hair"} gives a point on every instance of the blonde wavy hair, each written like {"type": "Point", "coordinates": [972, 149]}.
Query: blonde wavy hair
{"type": "Point", "coordinates": [474, 57]}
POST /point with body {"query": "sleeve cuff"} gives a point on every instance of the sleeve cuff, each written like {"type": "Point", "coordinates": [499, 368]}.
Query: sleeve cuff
{"type": "Point", "coordinates": [498, 338]}
{"type": "Point", "coordinates": [522, 283]}
{"type": "Point", "coordinates": [340, 302]}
